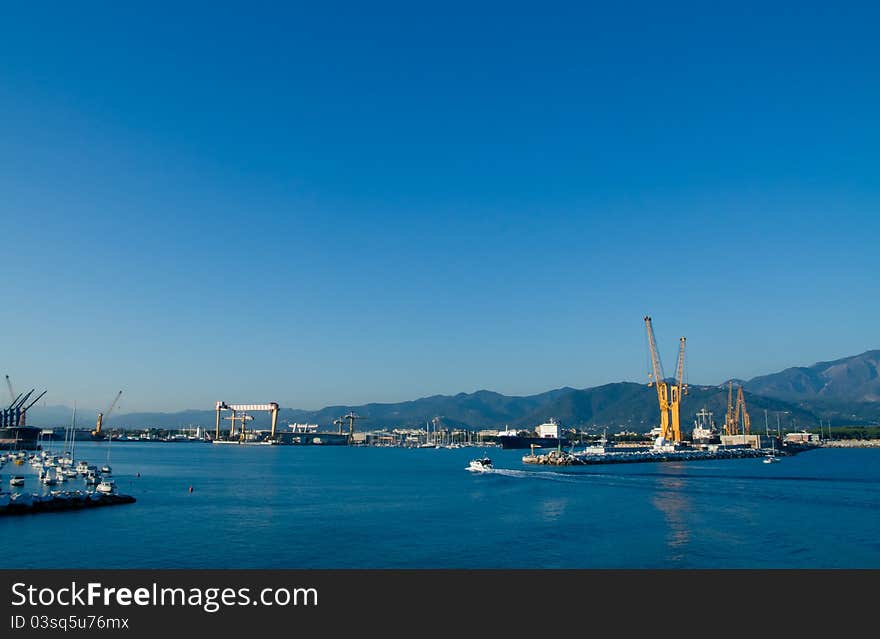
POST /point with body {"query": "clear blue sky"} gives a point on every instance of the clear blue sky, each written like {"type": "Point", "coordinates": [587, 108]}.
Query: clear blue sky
{"type": "Point", "coordinates": [377, 202]}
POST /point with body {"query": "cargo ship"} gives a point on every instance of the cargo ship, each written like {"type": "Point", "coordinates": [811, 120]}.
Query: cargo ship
{"type": "Point", "coordinates": [20, 438]}
{"type": "Point", "coordinates": [308, 435]}
{"type": "Point", "coordinates": [545, 436]}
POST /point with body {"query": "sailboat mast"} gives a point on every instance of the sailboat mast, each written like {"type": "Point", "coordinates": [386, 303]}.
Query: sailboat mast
{"type": "Point", "coordinates": [73, 434]}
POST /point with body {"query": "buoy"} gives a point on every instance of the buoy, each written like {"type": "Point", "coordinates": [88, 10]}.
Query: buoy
{"type": "Point", "coordinates": [190, 489]}
{"type": "Point", "coordinates": [139, 474]}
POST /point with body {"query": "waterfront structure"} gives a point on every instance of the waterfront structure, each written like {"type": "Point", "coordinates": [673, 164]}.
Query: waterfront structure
{"type": "Point", "coordinates": [240, 412]}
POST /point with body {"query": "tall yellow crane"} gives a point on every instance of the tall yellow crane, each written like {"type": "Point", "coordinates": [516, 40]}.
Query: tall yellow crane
{"type": "Point", "coordinates": [668, 397]}
{"type": "Point", "coordinates": [678, 391]}
{"type": "Point", "coordinates": [737, 415]}
{"type": "Point", "coordinates": [106, 413]}
{"type": "Point", "coordinates": [731, 423]}
{"type": "Point", "coordinates": [741, 411]}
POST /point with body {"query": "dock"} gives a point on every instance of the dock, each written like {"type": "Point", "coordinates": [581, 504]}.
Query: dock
{"type": "Point", "coordinates": [24, 504]}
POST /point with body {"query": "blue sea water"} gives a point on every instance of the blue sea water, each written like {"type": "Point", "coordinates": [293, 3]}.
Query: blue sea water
{"type": "Point", "coordinates": [341, 507]}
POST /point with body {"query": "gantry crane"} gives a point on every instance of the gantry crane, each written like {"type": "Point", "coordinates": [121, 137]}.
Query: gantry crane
{"type": "Point", "coordinates": [339, 422]}
{"type": "Point", "coordinates": [106, 413]}
{"type": "Point", "coordinates": [669, 397]}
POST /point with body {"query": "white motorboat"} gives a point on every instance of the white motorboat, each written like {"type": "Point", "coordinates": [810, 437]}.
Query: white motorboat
{"type": "Point", "coordinates": [481, 465]}
{"type": "Point", "coordinates": [16, 480]}
{"type": "Point", "coordinates": [106, 486]}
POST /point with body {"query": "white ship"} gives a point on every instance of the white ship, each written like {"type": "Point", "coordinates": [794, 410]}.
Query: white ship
{"type": "Point", "coordinates": [705, 431]}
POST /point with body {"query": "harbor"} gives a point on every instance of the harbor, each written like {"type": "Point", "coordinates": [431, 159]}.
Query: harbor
{"type": "Point", "coordinates": [325, 507]}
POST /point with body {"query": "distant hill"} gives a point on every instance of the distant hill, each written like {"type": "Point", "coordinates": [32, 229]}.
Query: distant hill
{"type": "Point", "coordinates": [634, 407]}
{"type": "Point", "coordinates": [846, 391]}
{"type": "Point", "coordinates": [851, 379]}
{"type": "Point", "coordinates": [617, 406]}
{"type": "Point", "coordinates": [58, 415]}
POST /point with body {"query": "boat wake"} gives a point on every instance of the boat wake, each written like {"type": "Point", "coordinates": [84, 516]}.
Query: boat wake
{"type": "Point", "coordinates": [540, 474]}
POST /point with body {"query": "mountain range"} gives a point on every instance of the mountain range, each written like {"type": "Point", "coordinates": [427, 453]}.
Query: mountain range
{"type": "Point", "coordinates": [851, 379]}
{"type": "Point", "coordinates": [845, 391]}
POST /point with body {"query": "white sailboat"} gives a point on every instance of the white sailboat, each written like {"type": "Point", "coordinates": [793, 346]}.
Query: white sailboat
{"type": "Point", "coordinates": [106, 469]}
{"type": "Point", "coordinates": [772, 458]}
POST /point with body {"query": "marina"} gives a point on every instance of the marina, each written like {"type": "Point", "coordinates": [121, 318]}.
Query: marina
{"type": "Point", "coordinates": [36, 493]}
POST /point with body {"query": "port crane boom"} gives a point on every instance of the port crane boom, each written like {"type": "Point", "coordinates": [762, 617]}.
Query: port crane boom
{"type": "Point", "coordinates": [677, 391]}
{"type": "Point", "coordinates": [669, 398]}
{"type": "Point", "coordinates": [731, 426]}
{"type": "Point", "coordinates": [14, 402]}
{"type": "Point", "coordinates": [9, 386]}
{"type": "Point", "coordinates": [34, 401]}
{"type": "Point", "coordinates": [106, 413]}
{"type": "Point", "coordinates": [741, 411]}
{"type": "Point", "coordinates": [656, 378]}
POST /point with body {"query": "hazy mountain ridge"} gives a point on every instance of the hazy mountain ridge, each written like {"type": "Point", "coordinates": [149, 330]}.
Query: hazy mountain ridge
{"type": "Point", "coordinates": [796, 397]}
{"type": "Point", "coordinates": [850, 379]}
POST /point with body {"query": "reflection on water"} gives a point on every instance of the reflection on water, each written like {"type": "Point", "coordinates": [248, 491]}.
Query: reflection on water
{"type": "Point", "coordinates": [552, 508]}
{"type": "Point", "coordinates": [671, 500]}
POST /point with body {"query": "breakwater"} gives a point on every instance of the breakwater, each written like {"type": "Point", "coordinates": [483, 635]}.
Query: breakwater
{"type": "Point", "coordinates": [25, 504]}
{"type": "Point", "coordinates": [563, 458]}
{"type": "Point", "coordinates": [851, 443]}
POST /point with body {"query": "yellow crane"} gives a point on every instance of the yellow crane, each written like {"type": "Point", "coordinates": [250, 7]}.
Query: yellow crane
{"type": "Point", "coordinates": [680, 389]}
{"type": "Point", "coordinates": [741, 411]}
{"type": "Point", "coordinates": [668, 397]}
{"type": "Point", "coordinates": [101, 416]}
{"type": "Point", "coordinates": [731, 423]}
{"type": "Point", "coordinates": [736, 413]}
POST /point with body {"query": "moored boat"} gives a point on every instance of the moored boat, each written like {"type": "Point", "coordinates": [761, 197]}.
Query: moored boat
{"type": "Point", "coordinates": [106, 486]}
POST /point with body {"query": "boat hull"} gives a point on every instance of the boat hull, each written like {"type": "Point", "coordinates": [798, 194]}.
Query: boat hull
{"type": "Point", "coordinates": [519, 442]}
{"type": "Point", "coordinates": [19, 438]}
